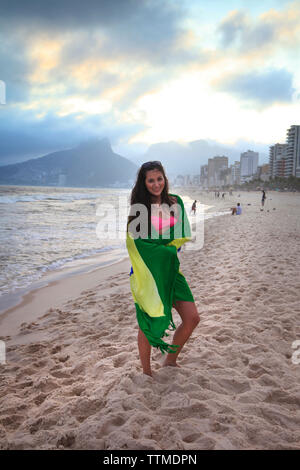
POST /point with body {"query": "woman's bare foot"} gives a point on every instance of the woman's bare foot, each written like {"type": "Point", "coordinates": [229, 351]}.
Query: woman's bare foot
{"type": "Point", "coordinates": [170, 364]}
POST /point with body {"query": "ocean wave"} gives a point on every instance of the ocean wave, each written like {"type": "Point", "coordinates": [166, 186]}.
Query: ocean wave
{"type": "Point", "coordinates": [63, 261]}
{"type": "Point", "coordinates": [45, 197]}
{"type": "Point", "coordinates": [37, 272]}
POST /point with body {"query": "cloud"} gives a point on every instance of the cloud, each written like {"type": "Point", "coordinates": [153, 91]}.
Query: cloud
{"type": "Point", "coordinates": [24, 136]}
{"type": "Point", "coordinates": [91, 47]}
{"type": "Point", "coordinates": [238, 30]}
{"type": "Point", "coordinates": [64, 52]}
{"type": "Point", "coordinates": [71, 12]}
{"type": "Point", "coordinates": [273, 29]}
{"type": "Point", "coordinates": [264, 88]}
{"type": "Point", "coordinates": [15, 67]}
{"type": "Point", "coordinates": [135, 26]}
{"type": "Point", "coordinates": [231, 27]}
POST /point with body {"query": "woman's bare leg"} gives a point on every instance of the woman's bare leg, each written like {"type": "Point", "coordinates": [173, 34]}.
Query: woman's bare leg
{"type": "Point", "coordinates": [145, 353]}
{"type": "Point", "coordinates": [190, 319]}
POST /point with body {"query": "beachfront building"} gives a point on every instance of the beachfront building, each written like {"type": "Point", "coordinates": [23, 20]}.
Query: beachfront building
{"type": "Point", "coordinates": [263, 172]}
{"type": "Point", "coordinates": [184, 180]}
{"type": "Point", "coordinates": [196, 180]}
{"type": "Point", "coordinates": [188, 180]}
{"type": "Point", "coordinates": [204, 176]}
{"type": "Point", "coordinates": [225, 177]}
{"type": "Point", "coordinates": [277, 159]}
{"type": "Point", "coordinates": [292, 162]}
{"type": "Point", "coordinates": [249, 164]}
{"type": "Point", "coordinates": [215, 166]}
{"type": "Point", "coordinates": [235, 173]}
{"type": "Point", "coordinates": [179, 180]}
{"type": "Point", "coordinates": [210, 173]}
{"type": "Point", "coordinates": [284, 159]}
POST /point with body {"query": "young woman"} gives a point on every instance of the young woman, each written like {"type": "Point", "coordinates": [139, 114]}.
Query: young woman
{"type": "Point", "coordinates": [156, 282]}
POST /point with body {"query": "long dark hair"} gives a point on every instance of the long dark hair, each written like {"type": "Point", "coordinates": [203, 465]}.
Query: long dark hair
{"type": "Point", "coordinates": [140, 193]}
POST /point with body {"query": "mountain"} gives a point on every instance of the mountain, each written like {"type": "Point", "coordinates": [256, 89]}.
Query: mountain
{"type": "Point", "coordinates": [186, 158]}
{"type": "Point", "coordinates": [90, 164]}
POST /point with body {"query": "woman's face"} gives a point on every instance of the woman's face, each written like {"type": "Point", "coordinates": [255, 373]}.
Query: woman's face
{"type": "Point", "coordinates": [155, 182]}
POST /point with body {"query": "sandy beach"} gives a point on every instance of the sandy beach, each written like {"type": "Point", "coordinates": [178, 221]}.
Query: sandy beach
{"type": "Point", "coordinates": [73, 379]}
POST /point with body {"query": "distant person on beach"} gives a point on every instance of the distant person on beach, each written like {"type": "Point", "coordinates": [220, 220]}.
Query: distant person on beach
{"type": "Point", "coordinates": [194, 207]}
{"type": "Point", "coordinates": [236, 210]}
{"type": "Point", "coordinates": [156, 283]}
{"type": "Point", "coordinates": [263, 197]}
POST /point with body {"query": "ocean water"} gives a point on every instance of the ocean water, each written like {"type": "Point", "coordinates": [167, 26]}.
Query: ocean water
{"type": "Point", "coordinates": [49, 232]}
{"type": "Point", "coordinates": [46, 229]}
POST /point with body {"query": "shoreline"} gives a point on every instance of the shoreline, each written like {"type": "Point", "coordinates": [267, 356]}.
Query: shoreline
{"type": "Point", "coordinates": [75, 267]}
{"type": "Point", "coordinates": [36, 302]}
{"type": "Point", "coordinates": [29, 306]}
{"type": "Point", "coordinates": [14, 302]}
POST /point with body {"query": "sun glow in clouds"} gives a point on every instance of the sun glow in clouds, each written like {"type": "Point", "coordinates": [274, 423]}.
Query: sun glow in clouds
{"type": "Point", "coordinates": [80, 105]}
{"type": "Point", "coordinates": [188, 108]}
{"type": "Point", "coordinates": [46, 54]}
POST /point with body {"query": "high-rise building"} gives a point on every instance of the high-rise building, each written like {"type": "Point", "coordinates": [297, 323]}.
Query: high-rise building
{"type": "Point", "coordinates": [249, 164]}
{"type": "Point", "coordinates": [211, 172]}
{"type": "Point", "coordinates": [284, 159]}
{"type": "Point", "coordinates": [263, 172]}
{"type": "Point", "coordinates": [187, 180]}
{"type": "Point", "coordinates": [235, 173]}
{"type": "Point", "coordinates": [292, 163]}
{"type": "Point", "coordinates": [215, 166]}
{"type": "Point", "coordinates": [179, 180]}
{"type": "Point", "coordinates": [204, 176]}
{"type": "Point", "coordinates": [277, 160]}
{"type": "Point", "coordinates": [196, 180]}
{"type": "Point", "coordinates": [225, 177]}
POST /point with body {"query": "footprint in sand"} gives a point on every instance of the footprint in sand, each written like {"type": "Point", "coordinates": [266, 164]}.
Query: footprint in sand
{"type": "Point", "coordinates": [76, 391]}
{"type": "Point", "coordinates": [55, 350]}
{"type": "Point", "coordinates": [40, 364]}
{"type": "Point", "coordinates": [40, 399]}
{"type": "Point", "coordinates": [111, 425]}
{"type": "Point", "coordinates": [233, 386]}
{"type": "Point", "coordinates": [45, 384]}
{"type": "Point", "coordinates": [12, 422]}
{"type": "Point", "coordinates": [120, 360]}
{"type": "Point", "coordinates": [67, 440]}
{"type": "Point", "coordinates": [63, 358]}
{"type": "Point", "coordinates": [60, 374]}
{"type": "Point", "coordinates": [190, 438]}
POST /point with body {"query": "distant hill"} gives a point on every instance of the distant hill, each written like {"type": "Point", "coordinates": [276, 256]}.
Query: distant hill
{"type": "Point", "coordinates": [90, 164]}
{"type": "Point", "coordinates": [186, 158]}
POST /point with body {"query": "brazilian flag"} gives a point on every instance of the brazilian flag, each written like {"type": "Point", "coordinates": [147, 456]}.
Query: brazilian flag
{"type": "Point", "coordinates": [155, 267]}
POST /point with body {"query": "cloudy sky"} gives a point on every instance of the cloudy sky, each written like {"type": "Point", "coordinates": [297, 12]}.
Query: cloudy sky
{"type": "Point", "coordinates": [146, 71]}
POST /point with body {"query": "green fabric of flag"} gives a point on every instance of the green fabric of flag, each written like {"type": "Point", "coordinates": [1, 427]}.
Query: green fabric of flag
{"type": "Point", "coordinates": [155, 268]}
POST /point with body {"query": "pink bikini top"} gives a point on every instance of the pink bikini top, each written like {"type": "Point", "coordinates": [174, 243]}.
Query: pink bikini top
{"type": "Point", "coordinates": [161, 224]}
